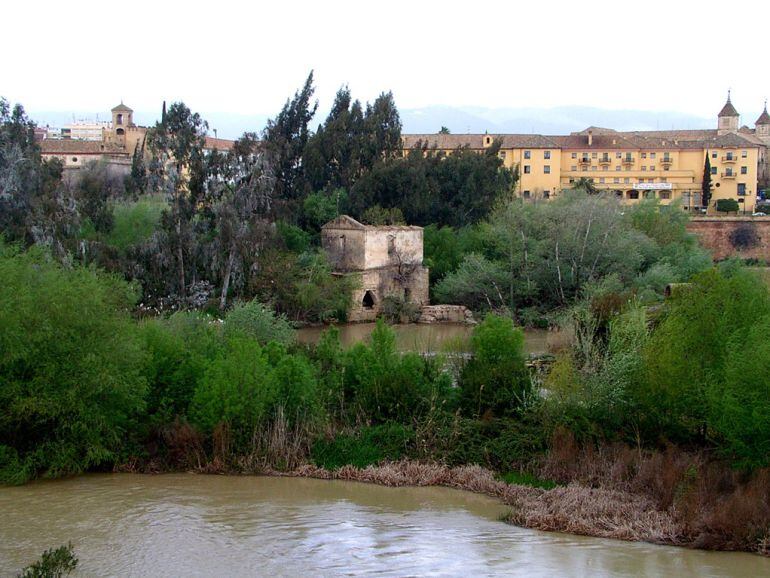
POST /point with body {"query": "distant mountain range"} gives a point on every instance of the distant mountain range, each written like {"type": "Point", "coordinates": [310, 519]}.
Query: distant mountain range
{"type": "Point", "coordinates": [459, 120]}
{"type": "Point", "coordinates": [559, 120]}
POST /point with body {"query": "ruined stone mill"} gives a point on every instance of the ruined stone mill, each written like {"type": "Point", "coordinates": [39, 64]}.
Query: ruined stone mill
{"type": "Point", "coordinates": [387, 262]}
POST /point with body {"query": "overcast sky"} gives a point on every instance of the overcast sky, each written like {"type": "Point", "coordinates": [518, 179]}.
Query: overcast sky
{"type": "Point", "coordinates": [246, 58]}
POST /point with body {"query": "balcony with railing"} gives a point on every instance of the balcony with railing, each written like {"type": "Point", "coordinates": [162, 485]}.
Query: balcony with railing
{"type": "Point", "coordinates": [628, 160]}
{"type": "Point", "coordinates": [666, 161]}
{"type": "Point", "coordinates": [605, 160]}
{"type": "Point", "coordinates": [729, 159]}
{"type": "Point", "coordinates": [728, 175]}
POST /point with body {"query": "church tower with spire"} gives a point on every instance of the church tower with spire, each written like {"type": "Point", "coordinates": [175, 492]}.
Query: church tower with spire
{"type": "Point", "coordinates": [729, 119]}
{"type": "Point", "coordinates": [762, 125]}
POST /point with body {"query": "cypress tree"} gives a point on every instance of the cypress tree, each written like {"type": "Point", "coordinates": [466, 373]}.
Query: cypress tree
{"type": "Point", "coordinates": [706, 185]}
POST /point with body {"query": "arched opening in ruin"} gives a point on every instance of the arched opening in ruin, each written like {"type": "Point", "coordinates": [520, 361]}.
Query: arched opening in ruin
{"type": "Point", "coordinates": [120, 132]}
{"type": "Point", "coordinates": [368, 301]}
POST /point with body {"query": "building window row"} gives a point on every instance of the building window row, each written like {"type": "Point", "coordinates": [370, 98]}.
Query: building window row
{"type": "Point", "coordinates": [730, 155]}
{"type": "Point", "coordinates": [528, 155]}
{"type": "Point", "coordinates": [528, 194]}
{"type": "Point", "coordinates": [546, 169]}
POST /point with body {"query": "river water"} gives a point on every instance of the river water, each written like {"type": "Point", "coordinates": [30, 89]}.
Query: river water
{"type": "Point", "coordinates": [196, 525]}
{"type": "Point", "coordinates": [430, 337]}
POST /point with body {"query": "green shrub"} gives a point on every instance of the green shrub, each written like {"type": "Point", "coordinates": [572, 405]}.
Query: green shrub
{"type": "Point", "coordinates": [590, 389]}
{"type": "Point", "coordinates": [497, 444]}
{"type": "Point", "coordinates": [727, 206]}
{"type": "Point", "coordinates": [445, 248]}
{"type": "Point", "coordinates": [172, 370]}
{"type": "Point", "coordinates": [258, 321]}
{"type": "Point", "coordinates": [384, 385]}
{"type": "Point", "coordinates": [303, 287]}
{"type": "Point", "coordinates": [295, 239]}
{"type": "Point", "coordinates": [296, 390]}
{"type": "Point", "coordinates": [368, 446]}
{"type": "Point", "coordinates": [378, 216]}
{"type": "Point", "coordinates": [54, 563]}
{"type": "Point", "coordinates": [739, 403]}
{"type": "Point", "coordinates": [135, 222]}
{"type": "Point", "coordinates": [320, 208]}
{"type": "Point", "coordinates": [71, 379]}
{"type": "Point", "coordinates": [496, 379]}
{"type": "Point", "coordinates": [237, 388]}
{"type": "Point", "coordinates": [329, 359]}
{"type": "Point", "coordinates": [248, 386]}
{"type": "Point", "coordinates": [692, 357]}
{"type": "Point", "coordinates": [396, 310]}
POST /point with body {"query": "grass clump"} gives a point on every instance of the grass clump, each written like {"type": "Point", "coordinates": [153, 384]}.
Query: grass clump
{"type": "Point", "coordinates": [370, 446]}
{"type": "Point", "coordinates": [135, 222]}
{"type": "Point", "coordinates": [527, 479]}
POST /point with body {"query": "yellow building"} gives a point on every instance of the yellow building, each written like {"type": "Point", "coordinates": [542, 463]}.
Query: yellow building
{"type": "Point", "coordinates": [667, 165]}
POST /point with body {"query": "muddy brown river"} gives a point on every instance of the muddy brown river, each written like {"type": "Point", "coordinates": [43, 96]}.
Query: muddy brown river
{"type": "Point", "coordinates": [196, 525]}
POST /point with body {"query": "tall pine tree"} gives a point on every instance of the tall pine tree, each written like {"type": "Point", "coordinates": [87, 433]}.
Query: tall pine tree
{"type": "Point", "coordinates": [285, 139]}
{"type": "Point", "coordinates": [177, 170]}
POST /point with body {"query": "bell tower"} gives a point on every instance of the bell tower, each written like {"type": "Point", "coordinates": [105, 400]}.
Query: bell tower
{"type": "Point", "coordinates": [122, 119]}
{"type": "Point", "coordinates": [729, 119]}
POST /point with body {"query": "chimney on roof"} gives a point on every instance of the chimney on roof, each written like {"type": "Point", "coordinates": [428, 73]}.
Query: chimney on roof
{"type": "Point", "coordinates": [590, 137]}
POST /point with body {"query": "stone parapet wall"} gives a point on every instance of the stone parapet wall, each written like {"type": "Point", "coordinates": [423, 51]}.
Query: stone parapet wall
{"type": "Point", "coordinates": [742, 237]}
{"type": "Point", "coordinates": [445, 314]}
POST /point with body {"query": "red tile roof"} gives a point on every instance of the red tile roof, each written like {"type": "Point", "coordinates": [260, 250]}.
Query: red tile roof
{"type": "Point", "coordinates": [221, 144]}
{"type": "Point", "coordinates": [83, 147]}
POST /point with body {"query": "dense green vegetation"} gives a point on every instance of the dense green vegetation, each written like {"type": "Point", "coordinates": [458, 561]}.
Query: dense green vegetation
{"type": "Point", "coordinates": [83, 386]}
{"type": "Point", "coordinates": [532, 259]}
{"type": "Point", "coordinates": [71, 380]}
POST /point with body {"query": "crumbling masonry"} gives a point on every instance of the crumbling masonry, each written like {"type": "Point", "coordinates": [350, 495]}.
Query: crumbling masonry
{"type": "Point", "coordinates": [386, 260]}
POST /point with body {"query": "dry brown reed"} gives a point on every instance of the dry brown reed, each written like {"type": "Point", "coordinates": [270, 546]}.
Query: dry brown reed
{"type": "Point", "coordinates": [712, 505]}
{"type": "Point", "coordinates": [279, 446]}
{"type": "Point", "coordinates": [184, 445]}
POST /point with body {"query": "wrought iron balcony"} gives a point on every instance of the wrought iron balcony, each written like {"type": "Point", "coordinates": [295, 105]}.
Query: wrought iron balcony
{"type": "Point", "coordinates": [729, 159]}
{"type": "Point", "coordinates": [728, 175]}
